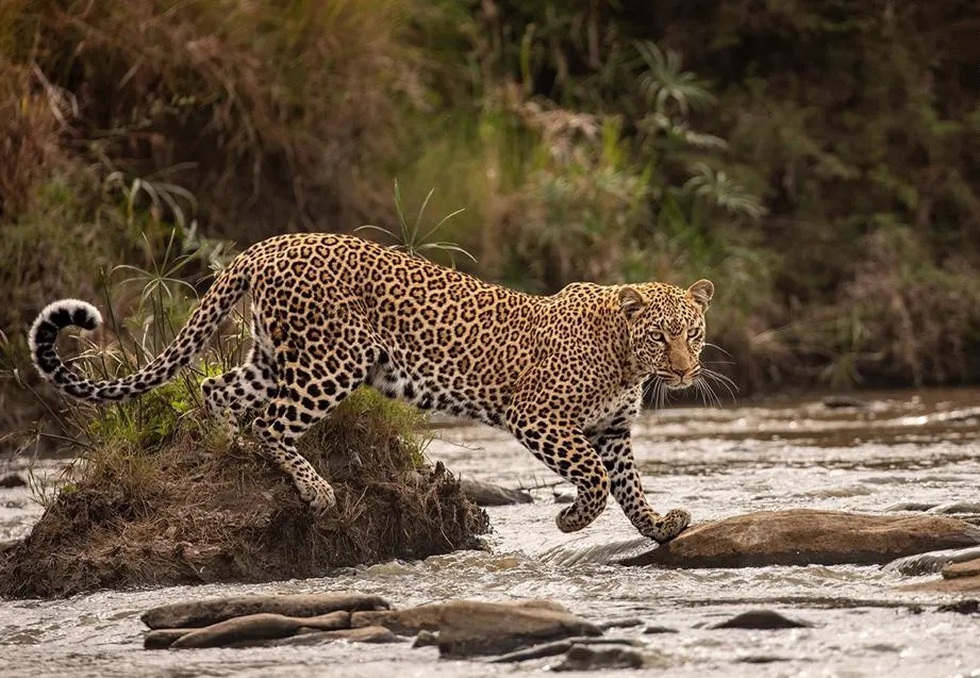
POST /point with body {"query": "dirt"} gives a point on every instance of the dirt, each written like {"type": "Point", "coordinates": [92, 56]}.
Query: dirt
{"type": "Point", "coordinates": [183, 516]}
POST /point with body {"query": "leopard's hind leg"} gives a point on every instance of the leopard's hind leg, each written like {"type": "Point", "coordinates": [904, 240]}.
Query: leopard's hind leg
{"type": "Point", "coordinates": [227, 397]}
{"type": "Point", "coordinates": [311, 382]}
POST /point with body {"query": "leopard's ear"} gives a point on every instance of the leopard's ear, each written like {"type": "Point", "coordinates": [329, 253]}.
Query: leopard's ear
{"type": "Point", "coordinates": [630, 302]}
{"type": "Point", "coordinates": [701, 292]}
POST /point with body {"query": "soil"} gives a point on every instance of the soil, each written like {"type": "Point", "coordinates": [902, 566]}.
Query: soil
{"type": "Point", "coordinates": [181, 515]}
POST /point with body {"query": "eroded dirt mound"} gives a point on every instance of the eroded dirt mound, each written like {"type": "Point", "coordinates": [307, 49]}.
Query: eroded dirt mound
{"type": "Point", "coordinates": [183, 516]}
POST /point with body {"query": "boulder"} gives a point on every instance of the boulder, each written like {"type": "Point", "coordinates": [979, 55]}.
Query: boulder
{"type": "Point", "coordinates": [197, 613]}
{"type": "Point", "coordinates": [805, 537]}
{"type": "Point", "coordinates": [467, 627]}
{"type": "Point", "coordinates": [262, 626]}
{"type": "Point", "coordinates": [487, 494]}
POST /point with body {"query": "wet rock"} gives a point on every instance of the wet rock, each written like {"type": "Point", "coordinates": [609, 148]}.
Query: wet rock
{"type": "Point", "coordinates": [654, 630]}
{"type": "Point", "coordinates": [558, 647]}
{"type": "Point", "coordinates": [161, 639]}
{"type": "Point", "coordinates": [965, 584]}
{"type": "Point", "coordinates": [625, 623]}
{"type": "Point", "coordinates": [487, 494]}
{"type": "Point", "coordinates": [761, 619]}
{"type": "Point", "coordinates": [12, 480]}
{"type": "Point", "coordinates": [592, 658]}
{"type": "Point", "coordinates": [467, 628]}
{"type": "Point", "coordinates": [910, 506]}
{"type": "Point", "coordinates": [964, 568]}
{"type": "Point", "coordinates": [968, 606]}
{"type": "Point", "coordinates": [761, 659]}
{"type": "Point", "coordinates": [262, 626]}
{"type": "Point", "coordinates": [929, 563]}
{"type": "Point", "coordinates": [196, 613]}
{"type": "Point", "coordinates": [424, 638]}
{"type": "Point", "coordinates": [844, 401]}
{"type": "Point", "coordinates": [365, 634]}
{"type": "Point", "coordinates": [964, 507]}
{"type": "Point", "coordinates": [807, 536]}
{"type": "Point", "coordinates": [551, 649]}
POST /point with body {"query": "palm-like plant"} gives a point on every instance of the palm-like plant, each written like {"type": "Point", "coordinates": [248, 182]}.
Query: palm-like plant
{"type": "Point", "coordinates": [665, 85]}
{"type": "Point", "coordinates": [716, 187]}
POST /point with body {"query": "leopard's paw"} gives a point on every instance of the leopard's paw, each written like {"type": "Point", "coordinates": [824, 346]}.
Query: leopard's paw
{"type": "Point", "coordinates": [666, 527]}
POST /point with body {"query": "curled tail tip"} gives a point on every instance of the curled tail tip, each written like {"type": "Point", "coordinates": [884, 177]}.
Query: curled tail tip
{"type": "Point", "coordinates": [67, 312]}
{"type": "Point", "coordinates": [58, 315]}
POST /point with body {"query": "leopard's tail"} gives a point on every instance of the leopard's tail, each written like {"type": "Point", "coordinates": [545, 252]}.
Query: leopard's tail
{"type": "Point", "coordinates": [227, 290]}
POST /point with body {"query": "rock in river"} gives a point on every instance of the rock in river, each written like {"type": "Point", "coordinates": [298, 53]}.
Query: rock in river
{"type": "Point", "coordinates": [262, 626]}
{"type": "Point", "coordinates": [468, 627]}
{"type": "Point", "coordinates": [807, 536]}
{"type": "Point", "coordinates": [486, 494]}
{"type": "Point", "coordinates": [197, 613]}
{"type": "Point", "coordinates": [934, 561]}
{"type": "Point", "coordinates": [957, 578]}
{"type": "Point", "coordinates": [761, 619]}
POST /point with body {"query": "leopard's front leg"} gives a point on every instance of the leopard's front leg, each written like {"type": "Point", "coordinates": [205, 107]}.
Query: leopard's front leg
{"type": "Point", "coordinates": [614, 447]}
{"type": "Point", "coordinates": [567, 452]}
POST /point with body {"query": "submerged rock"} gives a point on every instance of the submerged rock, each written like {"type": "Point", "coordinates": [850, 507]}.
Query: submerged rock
{"type": "Point", "coordinates": [487, 494]}
{"type": "Point", "coordinates": [968, 606]}
{"type": "Point", "coordinates": [807, 536]}
{"type": "Point", "coordinates": [761, 619]}
{"type": "Point", "coordinates": [467, 628]}
{"type": "Point", "coordinates": [12, 480]}
{"type": "Point", "coordinates": [957, 507]}
{"type": "Point", "coordinates": [304, 636]}
{"type": "Point", "coordinates": [845, 401]}
{"type": "Point", "coordinates": [929, 563]}
{"type": "Point", "coordinates": [558, 647]}
{"type": "Point", "coordinates": [962, 577]}
{"type": "Point", "coordinates": [199, 613]}
{"type": "Point", "coordinates": [593, 658]}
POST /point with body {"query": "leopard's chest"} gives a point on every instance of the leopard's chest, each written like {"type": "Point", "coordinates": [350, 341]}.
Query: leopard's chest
{"type": "Point", "coordinates": [623, 403]}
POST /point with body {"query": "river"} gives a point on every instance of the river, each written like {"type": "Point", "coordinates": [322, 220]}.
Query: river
{"type": "Point", "coordinates": [898, 447]}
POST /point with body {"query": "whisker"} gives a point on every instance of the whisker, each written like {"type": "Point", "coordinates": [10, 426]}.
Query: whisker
{"type": "Point", "coordinates": [718, 348]}
{"type": "Point", "coordinates": [722, 379]}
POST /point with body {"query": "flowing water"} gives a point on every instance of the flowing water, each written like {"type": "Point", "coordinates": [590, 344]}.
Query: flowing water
{"type": "Point", "coordinates": [901, 447]}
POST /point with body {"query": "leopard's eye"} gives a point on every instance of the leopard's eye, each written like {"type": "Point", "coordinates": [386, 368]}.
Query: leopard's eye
{"type": "Point", "coordinates": [695, 332]}
{"type": "Point", "coordinates": [656, 335]}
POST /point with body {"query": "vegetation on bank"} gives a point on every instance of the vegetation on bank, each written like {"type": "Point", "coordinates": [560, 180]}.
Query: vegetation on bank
{"type": "Point", "coordinates": [816, 161]}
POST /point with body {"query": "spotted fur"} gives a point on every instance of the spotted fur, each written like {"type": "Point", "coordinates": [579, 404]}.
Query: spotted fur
{"type": "Point", "coordinates": [563, 373]}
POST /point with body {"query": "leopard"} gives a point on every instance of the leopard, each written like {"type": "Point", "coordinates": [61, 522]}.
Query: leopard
{"type": "Point", "coordinates": [564, 373]}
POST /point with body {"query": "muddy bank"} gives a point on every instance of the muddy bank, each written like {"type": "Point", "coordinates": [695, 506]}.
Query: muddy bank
{"type": "Point", "coordinates": [183, 515]}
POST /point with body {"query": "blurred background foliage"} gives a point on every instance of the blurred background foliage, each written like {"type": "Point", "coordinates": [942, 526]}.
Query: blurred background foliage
{"type": "Point", "coordinates": [816, 160]}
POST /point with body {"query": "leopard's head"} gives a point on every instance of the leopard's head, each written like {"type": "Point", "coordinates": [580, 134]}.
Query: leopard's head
{"type": "Point", "coordinates": [666, 329]}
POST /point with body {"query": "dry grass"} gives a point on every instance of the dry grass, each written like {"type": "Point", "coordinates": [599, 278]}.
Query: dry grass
{"type": "Point", "coordinates": [274, 111]}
